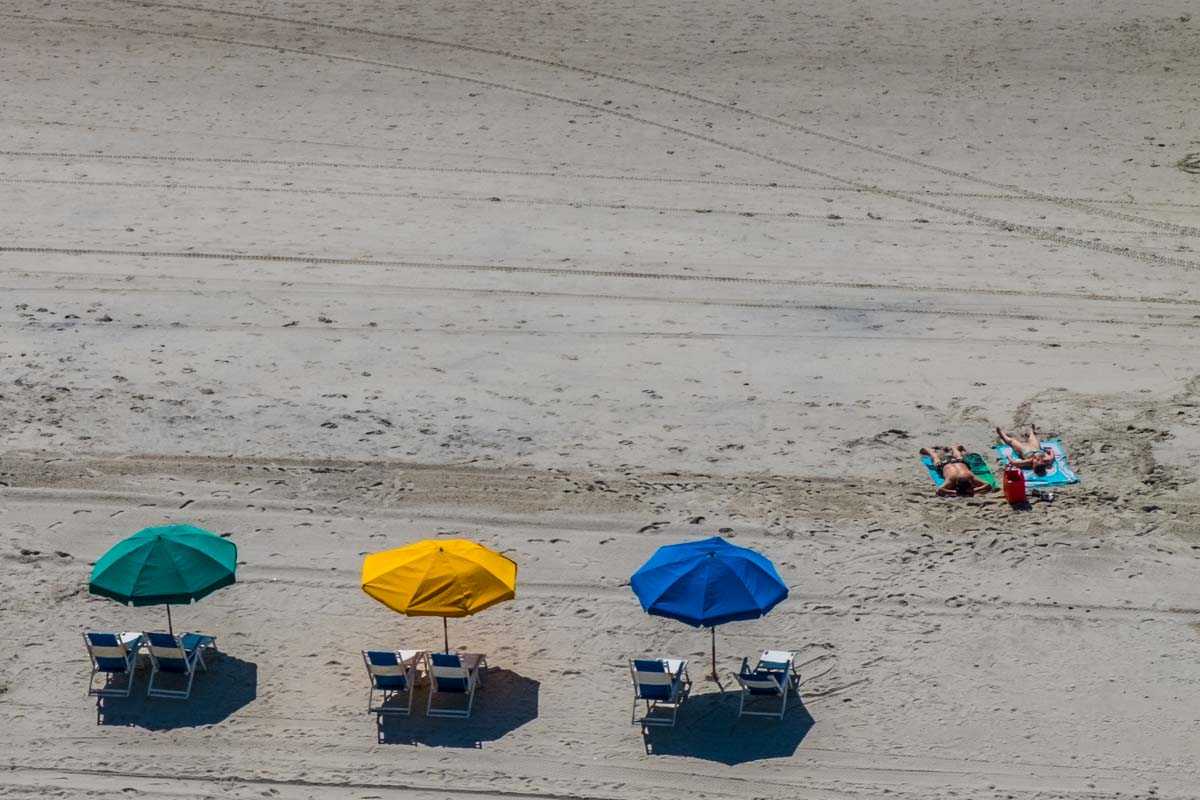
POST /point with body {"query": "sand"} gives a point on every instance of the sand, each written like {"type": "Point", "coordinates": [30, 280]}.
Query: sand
{"type": "Point", "coordinates": [576, 281]}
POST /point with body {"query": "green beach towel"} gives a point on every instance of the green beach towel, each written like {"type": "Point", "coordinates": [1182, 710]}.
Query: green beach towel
{"type": "Point", "coordinates": [979, 468]}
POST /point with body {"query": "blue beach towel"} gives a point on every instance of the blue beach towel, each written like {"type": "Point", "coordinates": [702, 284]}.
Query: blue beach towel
{"type": "Point", "coordinates": [927, 462]}
{"type": "Point", "coordinates": [1057, 475]}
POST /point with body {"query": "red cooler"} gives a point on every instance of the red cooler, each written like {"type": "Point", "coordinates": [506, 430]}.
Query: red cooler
{"type": "Point", "coordinates": [1014, 485]}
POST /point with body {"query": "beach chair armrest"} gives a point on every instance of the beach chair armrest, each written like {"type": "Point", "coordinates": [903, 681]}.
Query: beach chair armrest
{"type": "Point", "coordinates": [776, 660]}
{"type": "Point", "coordinates": [676, 667]}
{"type": "Point", "coordinates": [194, 641]}
{"type": "Point", "coordinates": [410, 657]}
{"type": "Point", "coordinates": [471, 661]}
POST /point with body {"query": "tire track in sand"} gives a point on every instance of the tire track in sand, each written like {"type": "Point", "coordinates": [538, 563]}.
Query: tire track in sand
{"type": "Point", "coordinates": [493, 200]}
{"type": "Point", "coordinates": [1030, 231]}
{"type": "Point", "coordinates": [301, 287]}
{"type": "Point", "coordinates": [1185, 230]}
{"type": "Point", "coordinates": [438, 266]}
{"type": "Point", "coordinates": [530, 173]}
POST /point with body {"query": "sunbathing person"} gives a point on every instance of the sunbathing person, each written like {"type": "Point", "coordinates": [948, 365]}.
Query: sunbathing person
{"type": "Point", "coordinates": [1028, 451]}
{"type": "Point", "coordinates": [957, 478]}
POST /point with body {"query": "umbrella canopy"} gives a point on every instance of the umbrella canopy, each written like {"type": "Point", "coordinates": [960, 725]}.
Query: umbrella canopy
{"type": "Point", "coordinates": [708, 582]}
{"type": "Point", "coordinates": [165, 565]}
{"type": "Point", "coordinates": [439, 578]}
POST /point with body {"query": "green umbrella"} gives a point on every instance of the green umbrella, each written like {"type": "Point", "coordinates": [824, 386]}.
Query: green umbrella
{"type": "Point", "coordinates": [170, 564]}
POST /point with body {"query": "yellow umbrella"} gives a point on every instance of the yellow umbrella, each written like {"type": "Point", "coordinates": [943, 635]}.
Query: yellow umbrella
{"type": "Point", "coordinates": [439, 578]}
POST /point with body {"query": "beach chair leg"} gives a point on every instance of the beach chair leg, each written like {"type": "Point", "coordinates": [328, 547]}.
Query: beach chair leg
{"type": "Point", "coordinates": [153, 677]}
{"type": "Point", "coordinates": [105, 689]}
{"type": "Point", "coordinates": [429, 701]}
{"type": "Point", "coordinates": [783, 705]}
{"type": "Point", "coordinates": [742, 703]}
{"type": "Point", "coordinates": [191, 677]}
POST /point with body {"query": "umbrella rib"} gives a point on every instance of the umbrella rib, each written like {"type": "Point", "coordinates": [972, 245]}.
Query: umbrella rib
{"type": "Point", "coordinates": [179, 573]}
{"type": "Point", "coordinates": [472, 566]}
{"type": "Point", "coordinates": [495, 580]}
{"type": "Point", "coordinates": [137, 578]}
{"type": "Point", "coordinates": [428, 568]}
{"type": "Point", "coordinates": [212, 558]}
{"type": "Point", "coordinates": [668, 587]}
{"type": "Point", "coordinates": [751, 600]}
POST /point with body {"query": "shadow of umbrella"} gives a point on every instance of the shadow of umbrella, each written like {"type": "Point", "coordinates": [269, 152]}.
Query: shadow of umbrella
{"type": "Point", "coordinates": [709, 728]}
{"type": "Point", "coordinates": [504, 702]}
{"type": "Point", "coordinates": [229, 684]}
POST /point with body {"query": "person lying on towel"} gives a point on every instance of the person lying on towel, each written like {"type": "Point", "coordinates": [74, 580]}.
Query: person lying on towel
{"type": "Point", "coordinates": [957, 478]}
{"type": "Point", "coordinates": [1029, 451]}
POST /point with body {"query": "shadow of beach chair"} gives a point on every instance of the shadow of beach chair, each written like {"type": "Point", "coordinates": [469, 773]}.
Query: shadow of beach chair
{"type": "Point", "coordinates": [393, 675]}
{"type": "Point", "coordinates": [176, 655]}
{"type": "Point", "coordinates": [768, 679]}
{"type": "Point", "coordinates": [454, 674]}
{"type": "Point", "coordinates": [659, 683]}
{"type": "Point", "coordinates": [112, 655]}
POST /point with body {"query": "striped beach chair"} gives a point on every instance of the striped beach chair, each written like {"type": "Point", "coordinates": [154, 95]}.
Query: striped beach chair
{"type": "Point", "coordinates": [176, 655]}
{"type": "Point", "coordinates": [112, 655]}
{"type": "Point", "coordinates": [393, 674]}
{"type": "Point", "coordinates": [659, 683]}
{"type": "Point", "coordinates": [453, 673]}
{"type": "Point", "coordinates": [765, 682]}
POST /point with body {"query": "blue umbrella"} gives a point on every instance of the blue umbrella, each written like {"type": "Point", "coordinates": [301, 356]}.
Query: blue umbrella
{"type": "Point", "coordinates": [707, 583]}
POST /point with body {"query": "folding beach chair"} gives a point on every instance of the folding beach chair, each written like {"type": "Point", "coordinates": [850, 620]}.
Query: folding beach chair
{"type": "Point", "coordinates": [176, 655]}
{"type": "Point", "coordinates": [112, 654]}
{"type": "Point", "coordinates": [453, 673]}
{"type": "Point", "coordinates": [659, 683]}
{"type": "Point", "coordinates": [393, 674]}
{"type": "Point", "coordinates": [760, 682]}
{"type": "Point", "coordinates": [783, 661]}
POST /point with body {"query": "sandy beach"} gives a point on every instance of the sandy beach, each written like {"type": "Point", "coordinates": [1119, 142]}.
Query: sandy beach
{"type": "Point", "coordinates": [575, 281]}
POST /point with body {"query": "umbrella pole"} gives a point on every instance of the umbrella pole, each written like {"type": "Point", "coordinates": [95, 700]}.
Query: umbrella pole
{"type": "Point", "coordinates": [714, 653]}
{"type": "Point", "coordinates": [170, 627]}
{"type": "Point", "coordinates": [445, 635]}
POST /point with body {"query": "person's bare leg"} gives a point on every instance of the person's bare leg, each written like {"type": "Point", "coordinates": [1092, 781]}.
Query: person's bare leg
{"type": "Point", "coordinates": [933, 455]}
{"type": "Point", "coordinates": [1010, 441]}
{"type": "Point", "coordinates": [959, 451]}
{"type": "Point", "coordinates": [1035, 441]}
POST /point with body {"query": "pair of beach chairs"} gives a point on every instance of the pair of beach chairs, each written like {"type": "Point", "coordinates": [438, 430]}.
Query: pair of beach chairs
{"type": "Point", "coordinates": [117, 656]}
{"type": "Point", "coordinates": [394, 675]}
{"type": "Point", "coordinates": [664, 685]}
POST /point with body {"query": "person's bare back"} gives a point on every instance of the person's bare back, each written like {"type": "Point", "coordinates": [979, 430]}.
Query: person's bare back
{"type": "Point", "coordinates": [957, 478]}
